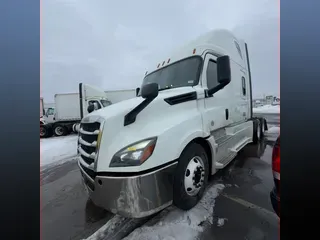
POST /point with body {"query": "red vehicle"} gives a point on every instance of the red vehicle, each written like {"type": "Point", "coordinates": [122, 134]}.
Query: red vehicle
{"type": "Point", "coordinates": [275, 193]}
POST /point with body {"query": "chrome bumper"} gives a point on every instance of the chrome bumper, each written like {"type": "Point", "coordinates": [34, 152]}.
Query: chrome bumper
{"type": "Point", "coordinates": [134, 196]}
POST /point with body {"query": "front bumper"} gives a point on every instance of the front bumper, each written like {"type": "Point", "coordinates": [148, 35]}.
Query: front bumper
{"type": "Point", "coordinates": [132, 196]}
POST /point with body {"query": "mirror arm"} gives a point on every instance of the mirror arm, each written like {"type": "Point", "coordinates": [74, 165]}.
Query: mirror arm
{"type": "Point", "coordinates": [215, 89]}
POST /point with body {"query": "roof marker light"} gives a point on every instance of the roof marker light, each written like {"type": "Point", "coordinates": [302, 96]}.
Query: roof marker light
{"type": "Point", "coordinates": [194, 51]}
{"type": "Point", "coordinates": [168, 60]}
{"type": "Point", "coordinates": [158, 65]}
{"type": "Point", "coordinates": [163, 63]}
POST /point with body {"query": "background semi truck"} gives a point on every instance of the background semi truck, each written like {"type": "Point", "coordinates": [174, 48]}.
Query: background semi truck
{"type": "Point", "coordinates": [70, 108]}
{"type": "Point", "coordinates": [191, 118]}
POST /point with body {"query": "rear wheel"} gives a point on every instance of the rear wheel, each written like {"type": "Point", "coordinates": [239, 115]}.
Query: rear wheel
{"type": "Point", "coordinates": [60, 130]}
{"type": "Point", "coordinates": [256, 131]}
{"type": "Point", "coordinates": [262, 127]}
{"type": "Point", "coordinates": [191, 177]}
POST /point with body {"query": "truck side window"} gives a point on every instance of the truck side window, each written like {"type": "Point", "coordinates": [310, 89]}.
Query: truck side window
{"type": "Point", "coordinates": [94, 101]}
{"type": "Point", "coordinates": [244, 92]}
{"type": "Point", "coordinates": [50, 111]}
{"type": "Point", "coordinates": [212, 75]}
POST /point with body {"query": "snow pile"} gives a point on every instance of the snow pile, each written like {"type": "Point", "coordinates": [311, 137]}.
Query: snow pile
{"type": "Point", "coordinates": [57, 149]}
{"type": "Point", "coordinates": [273, 130]}
{"type": "Point", "coordinates": [177, 224]}
{"type": "Point", "coordinates": [267, 109]}
{"type": "Point", "coordinates": [221, 222]}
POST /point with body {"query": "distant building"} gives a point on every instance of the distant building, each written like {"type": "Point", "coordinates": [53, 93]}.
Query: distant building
{"type": "Point", "coordinates": [268, 100]}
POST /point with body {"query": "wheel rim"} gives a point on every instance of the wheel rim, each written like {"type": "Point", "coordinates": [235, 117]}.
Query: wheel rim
{"type": "Point", "coordinates": [42, 131]}
{"type": "Point", "coordinates": [194, 176]}
{"type": "Point", "coordinates": [59, 131]}
{"type": "Point", "coordinates": [258, 131]}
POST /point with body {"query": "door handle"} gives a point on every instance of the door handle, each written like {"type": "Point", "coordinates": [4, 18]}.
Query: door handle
{"type": "Point", "coordinates": [227, 114]}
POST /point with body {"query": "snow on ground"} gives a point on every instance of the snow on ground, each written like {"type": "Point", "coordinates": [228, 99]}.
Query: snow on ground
{"type": "Point", "coordinates": [221, 222]}
{"type": "Point", "coordinates": [57, 150]}
{"type": "Point", "coordinates": [273, 130]}
{"type": "Point", "coordinates": [267, 109]}
{"type": "Point", "coordinates": [176, 224]}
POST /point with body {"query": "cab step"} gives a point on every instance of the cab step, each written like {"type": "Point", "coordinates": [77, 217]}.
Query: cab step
{"type": "Point", "coordinates": [240, 145]}
{"type": "Point", "coordinates": [225, 161]}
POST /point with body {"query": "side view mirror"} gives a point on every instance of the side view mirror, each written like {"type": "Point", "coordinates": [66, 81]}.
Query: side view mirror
{"type": "Point", "coordinates": [223, 69]}
{"type": "Point", "coordinates": [91, 108]}
{"type": "Point", "coordinates": [137, 91]}
{"type": "Point", "coordinates": [224, 74]}
{"type": "Point", "coordinates": [150, 91]}
{"type": "Point", "coordinates": [96, 106]}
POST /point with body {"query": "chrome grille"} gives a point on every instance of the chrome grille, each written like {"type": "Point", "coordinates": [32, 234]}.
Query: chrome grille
{"type": "Point", "coordinates": [87, 142]}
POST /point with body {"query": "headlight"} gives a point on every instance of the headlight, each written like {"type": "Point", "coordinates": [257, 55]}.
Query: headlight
{"type": "Point", "coordinates": [135, 154]}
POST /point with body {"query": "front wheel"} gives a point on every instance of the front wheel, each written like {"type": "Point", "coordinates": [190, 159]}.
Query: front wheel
{"type": "Point", "coordinates": [191, 177]}
{"type": "Point", "coordinates": [45, 131]}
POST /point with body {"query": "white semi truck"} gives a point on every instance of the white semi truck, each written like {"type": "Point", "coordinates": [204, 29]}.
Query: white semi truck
{"type": "Point", "coordinates": [191, 117]}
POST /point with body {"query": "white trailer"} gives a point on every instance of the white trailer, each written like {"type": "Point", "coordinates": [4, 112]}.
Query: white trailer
{"type": "Point", "coordinates": [67, 107]}
{"type": "Point", "coordinates": [193, 116]}
{"type": "Point", "coordinates": [116, 96]}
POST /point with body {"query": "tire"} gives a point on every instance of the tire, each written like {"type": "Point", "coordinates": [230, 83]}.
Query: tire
{"type": "Point", "coordinates": [262, 127]}
{"type": "Point", "coordinates": [193, 162]}
{"type": "Point", "coordinates": [256, 131]}
{"type": "Point", "coordinates": [75, 128]}
{"type": "Point", "coordinates": [60, 130]}
{"type": "Point", "coordinates": [45, 131]}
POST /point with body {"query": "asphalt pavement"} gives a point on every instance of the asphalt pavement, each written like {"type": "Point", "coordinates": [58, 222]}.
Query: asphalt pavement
{"type": "Point", "coordinates": [242, 210]}
{"type": "Point", "coordinates": [66, 212]}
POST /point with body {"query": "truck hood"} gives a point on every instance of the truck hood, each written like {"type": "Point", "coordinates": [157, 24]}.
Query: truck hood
{"type": "Point", "coordinates": [124, 107]}
{"type": "Point", "coordinates": [153, 121]}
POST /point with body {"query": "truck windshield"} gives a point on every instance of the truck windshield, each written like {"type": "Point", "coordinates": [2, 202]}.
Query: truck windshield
{"type": "Point", "coordinates": [180, 74]}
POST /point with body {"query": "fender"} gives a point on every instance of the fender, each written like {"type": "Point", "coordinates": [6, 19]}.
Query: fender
{"type": "Point", "coordinates": [186, 139]}
{"type": "Point", "coordinates": [211, 142]}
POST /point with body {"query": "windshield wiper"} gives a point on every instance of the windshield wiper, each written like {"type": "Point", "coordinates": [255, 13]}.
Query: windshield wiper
{"type": "Point", "coordinates": [168, 87]}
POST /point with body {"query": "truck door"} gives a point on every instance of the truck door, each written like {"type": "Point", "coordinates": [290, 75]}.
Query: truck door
{"type": "Point", "coordinates": [90, 94]}
{"type": "Point", "coordinates": [49, 115]}
{"type": "Point", "coordinates": [217, 107]}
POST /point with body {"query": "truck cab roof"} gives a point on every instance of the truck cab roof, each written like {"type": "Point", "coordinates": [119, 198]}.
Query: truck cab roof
{"type": "Point", "coordinates": [220, 42]}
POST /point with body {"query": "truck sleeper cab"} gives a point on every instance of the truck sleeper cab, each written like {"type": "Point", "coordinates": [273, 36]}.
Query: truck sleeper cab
{"type": "Point", "coordinates": [190, 118]}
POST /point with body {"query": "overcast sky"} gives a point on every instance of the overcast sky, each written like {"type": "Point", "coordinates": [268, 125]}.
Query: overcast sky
{"type": "Point", "coordinates": [111, 44]}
